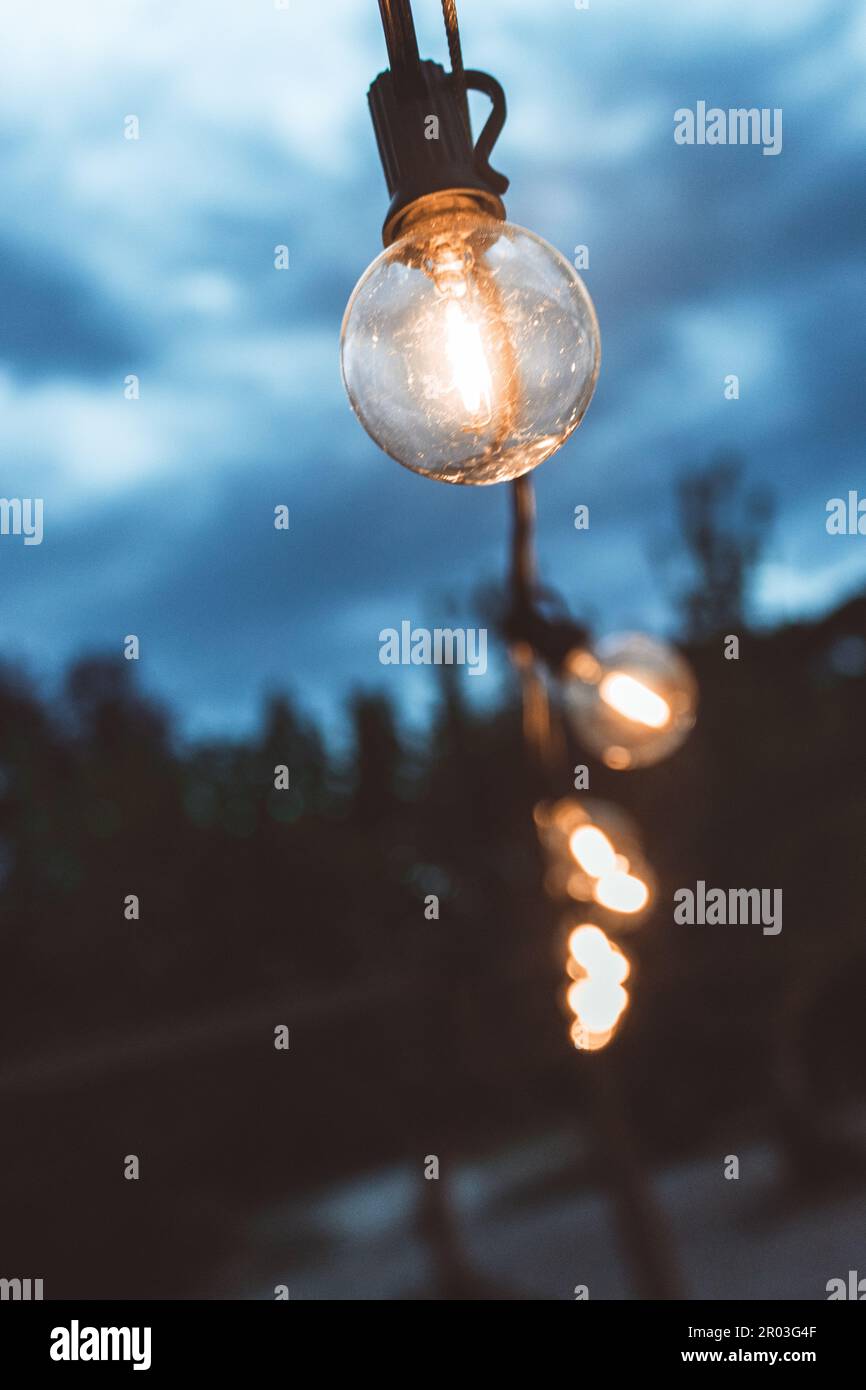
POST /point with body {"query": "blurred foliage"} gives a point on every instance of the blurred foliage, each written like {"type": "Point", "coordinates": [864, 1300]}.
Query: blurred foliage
{"type": "Point", "coordinates": [307, 907]}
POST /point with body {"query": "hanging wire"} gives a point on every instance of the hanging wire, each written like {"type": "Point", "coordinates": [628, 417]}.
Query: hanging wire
{"type": "Point", "coordinates": [455, 54]}
{"type": "Point", "coordinates": [542, 731]}
{"type": "Point", "coordinates": [522, 543]}
{"type": "Point", "coordinates": [403, 54]}
{"type": "Point", "coordinates": [401, 40]}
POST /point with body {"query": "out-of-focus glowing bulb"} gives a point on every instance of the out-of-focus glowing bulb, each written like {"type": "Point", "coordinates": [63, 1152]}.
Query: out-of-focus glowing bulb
{"type": "Point", "coordinates": [632, 699]}
{"type": "Point", "coordinates": [470, 347]}
{"type": "Point", "coordinates": [587, 1041]}
{"type": "Point", "coordinates": [618, 967]}
{"type": "Point", "coordinates": [588, 842]}
{"type": "Point", "coordinates": [589, 947]}
{"type": "Point", "coordinates": [597, 1003]}
{"type": "Point", "coordinates": [592, 951]}
{"type": "Point", "coordinates": [593, 851]}
{"type": "Point", "coordinates": [621, 892]}
{"type": "Point", "coordinates": [596, 997]}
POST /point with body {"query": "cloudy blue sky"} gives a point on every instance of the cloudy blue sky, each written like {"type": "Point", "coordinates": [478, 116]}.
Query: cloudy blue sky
{"type": "Point", "coordinates": [155, 257]}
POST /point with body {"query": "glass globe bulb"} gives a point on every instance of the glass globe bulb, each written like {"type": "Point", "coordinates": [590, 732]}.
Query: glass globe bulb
{"type": "Point", "coordinates": [470, 347]}
{"type": "Point", "coordinates": [632, 699]}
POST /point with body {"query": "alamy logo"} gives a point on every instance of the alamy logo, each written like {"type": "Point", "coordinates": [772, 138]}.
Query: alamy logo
{"type": "Point", "coordinates": [855, 1288]}
{"type": "Point", "coordinates": [732, 906]}
{"type": "Point", "coordinates": [75, 1343]}
{"type": "Point", "coordinates": [22, 516]}
{"type": "Point", "coordinates": [738, 126]}
{"type": "Point", "coordinates": [439, 646]}
{"type": "Point", "coordinates": [21, 1290]}
{"type": "Point", "coordinates": [846, 518]}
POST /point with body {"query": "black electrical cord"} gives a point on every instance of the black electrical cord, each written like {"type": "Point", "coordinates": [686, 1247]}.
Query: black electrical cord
{"type": "Point", "coordinates": [522, 545]}
{"type": "Point", "coordinates": [403, 54]}
{"type": "Point", "coordinates": [401, 39]}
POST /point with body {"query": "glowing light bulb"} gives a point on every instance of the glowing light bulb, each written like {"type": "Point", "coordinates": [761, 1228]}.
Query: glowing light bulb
{"type": "Point", "coordinates": [620, 892]}
{"type": "Point", "coordinates": [632, 699]}
{"type": "Point", "coordinates": [596, 998]}
{"type": "Point", "coordinates": [470, 347]}
{"type": "Point", "coordinates": [597, 1003]}
{"type": "Point", "coordinates": [593, 854]}
{"type": "Point", "coordinates": [587, 1041]}
{"type": "Point", "coordinates": [593, 850]}
{"type": "Point", "coordinates": [588, 946]}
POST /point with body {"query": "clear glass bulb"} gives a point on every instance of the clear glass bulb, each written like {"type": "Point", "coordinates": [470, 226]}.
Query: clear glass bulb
{"type": "Point", "coordinates": [470, 347]}
{"type": "Point", "coordinates": [632, 699]}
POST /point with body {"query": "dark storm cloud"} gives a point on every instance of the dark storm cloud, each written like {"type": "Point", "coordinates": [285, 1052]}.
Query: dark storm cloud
{"type": "Point", "coordinates": [703, 262]}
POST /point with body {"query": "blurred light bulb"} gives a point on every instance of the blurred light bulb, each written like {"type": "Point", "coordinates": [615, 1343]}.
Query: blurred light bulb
{"type": "Point", "coordinates": [593, 854]}
{"type": "Point", "coordinates": [597, 1003]}
{"type": "Point", "coordinates": [596, 998]}
{"type": "Point", "coordinates": [621, 892]}
{"type": "Point", "coordinates": [632, 699]}
{"type": "Point", "coordinates": [589, 946]}
{"type": "Point", "coordinates": [593, 850]}
{"type": "Point", "coordinates": [587, 1041]}
{"type": "Point", "coordinates": [470, 347]}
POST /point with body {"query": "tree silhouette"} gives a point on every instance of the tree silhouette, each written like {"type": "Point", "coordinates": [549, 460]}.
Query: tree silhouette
{"type": "Point", "coordinates": [725, 531]}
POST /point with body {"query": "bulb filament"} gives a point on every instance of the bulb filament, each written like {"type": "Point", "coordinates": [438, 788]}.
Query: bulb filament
{"type": "Point", "coordinates": [470, 373]}
{"type": "Point", "coordinates": [634, 700]}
